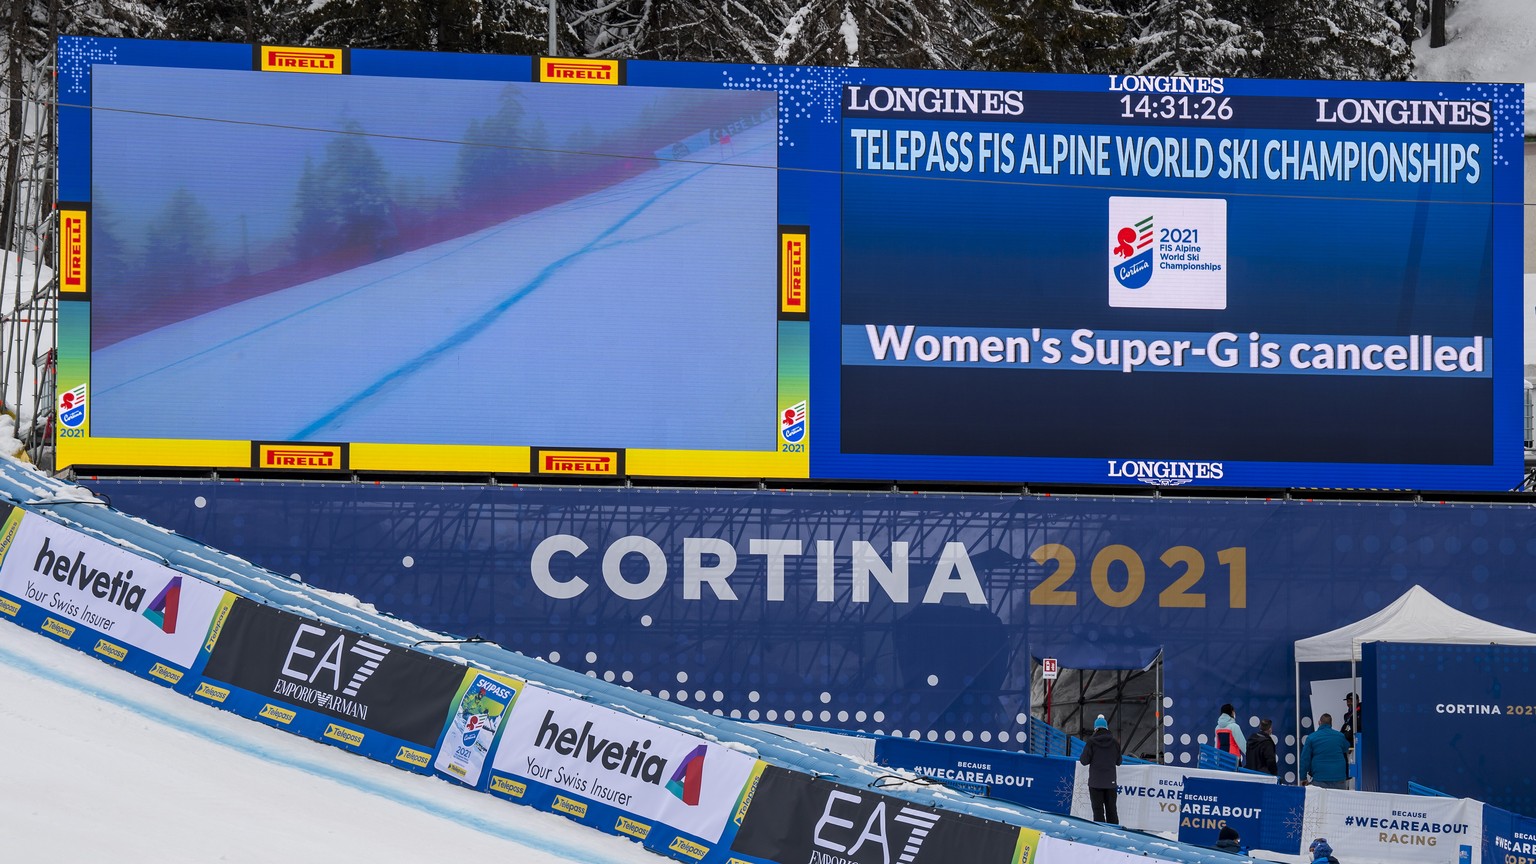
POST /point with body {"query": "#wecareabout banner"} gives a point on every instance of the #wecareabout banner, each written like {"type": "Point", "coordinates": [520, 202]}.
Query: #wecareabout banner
{"type": "Point", "coordinates": [1266, 816]}
{"type": "Point", "coordinates": [1148, 798]}
{"type": "Point", "coordinates": [620, 761]}
{"type": "Point", "coordinates": [79, 581]}
{"type": "Point", "coordinates": [1376, 828]}
{"type": "Point", "coordinates": [1034, 781]}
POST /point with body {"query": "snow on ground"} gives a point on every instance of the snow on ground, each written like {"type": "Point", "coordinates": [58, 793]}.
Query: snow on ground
{"type": "Point", "coordinates": [103, 766]}
{"type": "Point", "coordinates": [1486, 40]}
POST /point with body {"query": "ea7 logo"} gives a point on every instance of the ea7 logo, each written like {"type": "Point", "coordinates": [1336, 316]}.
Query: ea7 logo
{"type": "Point", "coordinates": [832, 832]}
{"type": "Point", "coordinates": [329, 660]}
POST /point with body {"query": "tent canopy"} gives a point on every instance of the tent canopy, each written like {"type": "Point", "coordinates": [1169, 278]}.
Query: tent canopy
{"type": "Point", "coordinates": [1417, 616]}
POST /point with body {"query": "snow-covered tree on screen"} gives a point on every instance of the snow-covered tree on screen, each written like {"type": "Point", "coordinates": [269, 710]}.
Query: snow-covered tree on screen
{"type": "Point", "coordinates": [1092, 36]}
{"type": "Point", "coordinates": [922, 34]}
{"type": "Point", "coordinates": [468, 26]}
{"type": "Point", "coordinates": [1193, 37]}
{"type": "Point", "coordinates": [267, 21]}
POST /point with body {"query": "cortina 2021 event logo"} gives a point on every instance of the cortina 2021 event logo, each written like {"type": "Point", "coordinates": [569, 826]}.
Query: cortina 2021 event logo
{"type": "Point", "coordinates": [688, 779]}
{"type": "Point", "coordinates": [792, 425]}
{"type": "Point", "coordinates": [1133, 256]}
{"type": "Point", "coordinates": [72, 407]}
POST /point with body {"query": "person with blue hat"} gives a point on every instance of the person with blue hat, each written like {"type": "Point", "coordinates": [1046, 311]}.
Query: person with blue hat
{"type": "Point", "coordinates": [1322, 853]}
{"type": "Point", "coordinates": [1102, 756]}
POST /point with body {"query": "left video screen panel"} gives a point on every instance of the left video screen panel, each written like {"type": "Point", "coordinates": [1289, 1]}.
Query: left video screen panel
{"type": "Point", "coordinates": [431, 261]}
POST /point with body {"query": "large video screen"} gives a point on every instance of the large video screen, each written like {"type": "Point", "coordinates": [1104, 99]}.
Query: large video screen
{"type": "Point", "coordinates": [300, 258]}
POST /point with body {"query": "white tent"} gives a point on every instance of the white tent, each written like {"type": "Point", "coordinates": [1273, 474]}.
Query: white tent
{"type": "Point", "coordinates": [1416, 617]}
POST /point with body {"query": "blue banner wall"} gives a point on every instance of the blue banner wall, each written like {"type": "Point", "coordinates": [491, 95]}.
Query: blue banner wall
{"type": "Point", "coordinates": [1457, 718]}
{"type": "Point", "coordinates": [1265, 815]}
{"type": "Point", "coordinates": [1508, 838]}
{"type": "Point", "coordinates": [878, 612]}
{"type": "Point", "coordinates": [1040, 782]}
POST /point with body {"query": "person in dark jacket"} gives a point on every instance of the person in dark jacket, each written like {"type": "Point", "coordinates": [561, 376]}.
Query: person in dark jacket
{"type": "Point", "coordinates": [1261, 749]}
{"type": "Point", "coordinates": [1102, 756]}
{"type": "Point", "coordinates": [1229, 840]}
{"type": "Point", "coordinates": [1325, 757]}
{"type": "Point", "coordinates": [1322, 853]}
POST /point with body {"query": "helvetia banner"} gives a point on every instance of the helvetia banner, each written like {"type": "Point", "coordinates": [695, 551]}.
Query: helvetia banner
{"type": "Point", "coordinates": [622, 761]}
{"type": "Point", "coordinates": [359, 680]}
{"type": "Point", "coordinates": [796, 818]}
{"type": "Point", "coordinates": [472, 730]}
{"type": "Point", "coordinates": [79, 580]}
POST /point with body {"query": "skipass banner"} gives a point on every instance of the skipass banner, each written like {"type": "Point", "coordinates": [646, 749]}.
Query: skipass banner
{"type": "Point", "coordinates": [1149, 794]}
{"type": "Point", "coordinates": [1034, 781]}
{"type": "Point", "coordinates": [793, 817]}
{"type": "Point", "coordinates": [77, 581]}
{"type": "Point", "coordinates": [475, 725]}
{"type": "Point", "coordinates": [593, 758]}
{"type": "Point", "coordinates": [331, 684]}
{"type": "Point", "coordinates": [1377, 828]}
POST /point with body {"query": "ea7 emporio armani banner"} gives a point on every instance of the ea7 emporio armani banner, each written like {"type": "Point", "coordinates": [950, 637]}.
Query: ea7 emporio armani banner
{"type": "Point", "coordinates": [620, 760]}
{"type": "Point", "coordinates": [77, 579]}
{"type": "Point", "coordinates": [796, 818]}
{"type": "Point", "coordinates": [357, 679]}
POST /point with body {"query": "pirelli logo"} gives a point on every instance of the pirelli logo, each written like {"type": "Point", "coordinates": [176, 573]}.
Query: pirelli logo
{"type": "Point", "coordinates": [792, 273]}
{"type": "Point", "coordinates": [73, 260]}
{"type": "Point", "coordinates": [588, 463]}
{"type": "Point", "coordinates": [573, 70]}
{"type": "Point", "coordinates": [280, 58]}
{"type": "Point", "coordinates": [299, 457]}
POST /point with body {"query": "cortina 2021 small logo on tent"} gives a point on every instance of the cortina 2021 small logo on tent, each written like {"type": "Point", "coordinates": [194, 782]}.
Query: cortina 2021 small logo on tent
{"type": "Point", "coordinates": [792, 424]}
{"type": "Point", "coordinates": [1133, 256]}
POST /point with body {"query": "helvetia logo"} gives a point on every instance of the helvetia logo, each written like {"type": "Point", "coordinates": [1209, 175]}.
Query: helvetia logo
{"type": "Point", "coordinates": [688, 779]}
{"type": "Point", "coordinates": [1132, 257]}
{"type": "Point", "coordinates": [115, 588]}
{"type": "Point", "coordinates": [634, 759]}
{"type": "Point", "coordinates": [72, 407]}
{"type": "Point", "coordinates": [162, 610]}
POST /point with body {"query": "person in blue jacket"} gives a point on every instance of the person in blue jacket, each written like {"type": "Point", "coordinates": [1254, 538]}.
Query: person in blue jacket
{"type": "Point", "coordinates": [1322, 853]}
{"type": "Point", "coordinates": [1325, 757]}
